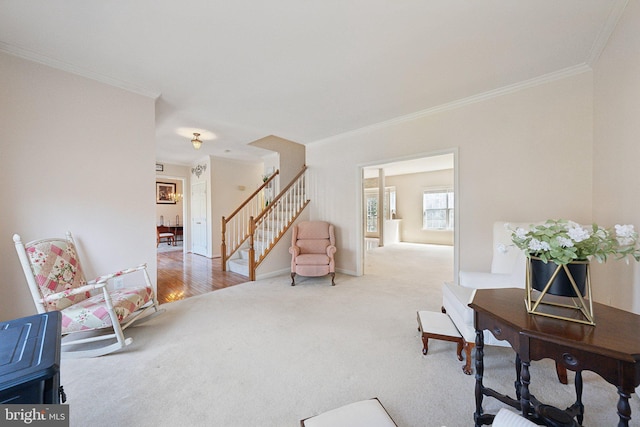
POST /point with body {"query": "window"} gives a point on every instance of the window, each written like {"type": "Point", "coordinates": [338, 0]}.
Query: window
{"type": "Point", "coordinates": [437, 210]}
{"type": "Point", "coordinates": [371, 203]}
{"type": "Point", "coordinates": [372, 213]}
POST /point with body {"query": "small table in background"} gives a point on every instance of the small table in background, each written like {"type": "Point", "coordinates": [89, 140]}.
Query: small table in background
{"type": "Point", "coordinates": [178, 232]}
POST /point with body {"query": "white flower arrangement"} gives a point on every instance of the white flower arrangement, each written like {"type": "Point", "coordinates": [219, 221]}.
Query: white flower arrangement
{"type": "Point", "coordinates": [562, 241]}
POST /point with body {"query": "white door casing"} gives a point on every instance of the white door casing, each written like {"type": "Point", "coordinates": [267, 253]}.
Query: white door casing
{"type": "Point", "coordinates": [199, 218]}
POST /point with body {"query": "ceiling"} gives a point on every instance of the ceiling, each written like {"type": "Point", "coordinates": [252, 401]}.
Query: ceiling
{"type": "Point", "coordinates": [237, 71]}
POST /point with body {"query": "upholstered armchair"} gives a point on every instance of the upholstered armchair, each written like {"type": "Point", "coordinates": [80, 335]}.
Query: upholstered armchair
{"type": "Point", "coordinates": [57, 282]}
{"type": "Point", "coordinates": [313, 245]}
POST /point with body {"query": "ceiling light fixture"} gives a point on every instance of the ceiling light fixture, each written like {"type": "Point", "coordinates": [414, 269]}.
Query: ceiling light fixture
{"type": "Point", "coordinates": [195, 141]}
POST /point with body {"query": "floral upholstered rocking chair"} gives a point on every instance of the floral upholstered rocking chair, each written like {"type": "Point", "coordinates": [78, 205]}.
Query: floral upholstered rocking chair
{"type": "Point", "coordinates": [56, 282]}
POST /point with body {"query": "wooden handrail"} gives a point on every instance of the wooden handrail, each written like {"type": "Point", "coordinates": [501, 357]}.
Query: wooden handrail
{"type": "Point", "coordinates": [283, 191]}
{"type": "Point", "coordinates": [254, 194]}
{"type": "Point", "coordinates": [252, 214]}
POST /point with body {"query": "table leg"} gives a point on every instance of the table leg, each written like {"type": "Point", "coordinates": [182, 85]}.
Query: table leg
{"type": "Point", "coordinates": [479, 372]}
{"type": "Point", "coordinates": [525, 397]}
{"type": "Point", "coordinates": [579, 404]}
{"type": "Point", "coordinates": [518, 383]}
{"type": "Point", "coordinates": [624, 410]}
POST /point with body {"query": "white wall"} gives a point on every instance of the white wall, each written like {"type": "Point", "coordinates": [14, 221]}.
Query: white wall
{"type": "Point", "coordinates": [409, 192]}
{"type": "Point", "coordinates": [617, 154]}
{"type": "Point", "coordinates": [232, 181]}
{"type": "Point", "coordinates": [525, 155]}
{"type": "Point", "coordinates": [75, 155]}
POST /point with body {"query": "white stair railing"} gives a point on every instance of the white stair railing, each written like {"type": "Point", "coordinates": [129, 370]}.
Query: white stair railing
{"type": "Point", "coordinates": [266, 229]}
{"type": "Point", "coordinates": [235, 227]}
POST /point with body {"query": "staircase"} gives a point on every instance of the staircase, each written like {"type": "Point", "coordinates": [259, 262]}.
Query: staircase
{"type": "Point", "coordinates": [256, 226]}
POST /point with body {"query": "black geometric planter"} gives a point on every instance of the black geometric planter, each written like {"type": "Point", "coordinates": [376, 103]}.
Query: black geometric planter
{"type": "Point", "coordinates": [563, 291]}
{"type": "Point", "coordinates": [542, 273]}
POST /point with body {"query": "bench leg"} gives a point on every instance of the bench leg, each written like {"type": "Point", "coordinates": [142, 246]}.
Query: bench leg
{"type": "Point", "coordinates": [425, 344]}
{"type": "Point", "coordinates": [459, 349]}
{"type": "Point", "coordinates": [468, 348]}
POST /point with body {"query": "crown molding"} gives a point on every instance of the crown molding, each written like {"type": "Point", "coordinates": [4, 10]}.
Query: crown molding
{"type": "Point", "coordinates": [606, 31]}
{"type": "Point", "coordinates": [537, 81]}
{"type": "Point", "coordinates": [73, 69]}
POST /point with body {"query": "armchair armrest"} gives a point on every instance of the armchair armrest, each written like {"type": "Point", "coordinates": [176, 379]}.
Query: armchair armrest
{"type": "Point", "coordinates": [294, 250]}
{"type": "Point", "coordinates": [331, 250]}
{"type": "Point", "coordinates": [107, 277]}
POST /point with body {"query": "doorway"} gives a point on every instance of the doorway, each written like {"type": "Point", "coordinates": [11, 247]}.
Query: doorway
{"type": "Point", "coordinates": [199, 221]}
{"type": "Point", "coordinates": [400, 199]}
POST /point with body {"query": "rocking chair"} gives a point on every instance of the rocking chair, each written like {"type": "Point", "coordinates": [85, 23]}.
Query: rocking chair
{"type": "Point", "coordinates": [56, 282]}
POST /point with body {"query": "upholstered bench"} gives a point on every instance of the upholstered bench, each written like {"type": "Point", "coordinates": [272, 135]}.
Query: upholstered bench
{"type": "Point", "coordinates": [366, 413]}
{"type": "Point", "coordinates": [438, 326]}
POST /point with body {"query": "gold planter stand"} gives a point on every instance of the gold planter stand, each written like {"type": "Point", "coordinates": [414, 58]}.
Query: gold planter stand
{"type": "Point", "coordinates": [579, 310]}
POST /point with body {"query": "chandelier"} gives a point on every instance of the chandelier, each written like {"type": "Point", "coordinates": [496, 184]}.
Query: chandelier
{"type": "Point", "coordinates": [197, 143]}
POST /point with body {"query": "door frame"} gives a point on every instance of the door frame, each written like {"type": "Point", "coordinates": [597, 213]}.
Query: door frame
{"type": "Point", "coordinates": [360, 235]}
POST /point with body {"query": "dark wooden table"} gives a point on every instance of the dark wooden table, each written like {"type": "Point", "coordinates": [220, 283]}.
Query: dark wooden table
{"type": "Point", "coordinates": [611, 349]}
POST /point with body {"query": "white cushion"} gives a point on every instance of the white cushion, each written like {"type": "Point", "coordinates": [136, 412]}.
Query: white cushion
{"type": "Point", "coordinates": [481, 280]}
{"type": "Point", "coordinates": [366, 413]}
{"type": "Point", "coordinates": [437, 323]}
{"type": "Point", "coordinates": [456, 299]}
{"type": "Point", "coordinates": [507, 418]}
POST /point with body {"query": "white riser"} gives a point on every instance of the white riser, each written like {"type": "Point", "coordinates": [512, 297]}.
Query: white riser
{"type": "Point", "coordinates": [240, 266]}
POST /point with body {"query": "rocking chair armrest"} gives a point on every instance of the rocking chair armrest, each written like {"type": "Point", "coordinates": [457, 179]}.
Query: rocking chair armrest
{"type": "Point", "coordinates": [103, 279]}
{"type": "Point", "coordinates": [70, 292]}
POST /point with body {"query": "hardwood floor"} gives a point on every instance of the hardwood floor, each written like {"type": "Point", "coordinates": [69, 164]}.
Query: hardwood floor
{"type": "Point", "coordinates": [182, 276]}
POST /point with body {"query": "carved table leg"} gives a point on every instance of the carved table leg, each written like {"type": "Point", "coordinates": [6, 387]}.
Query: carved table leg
{"type": "Point", "coordinates": [479, 372]}
{"type": "Point", "coordinates": [518, 382]}
{"type": "Point", "coordinates": [579, 403]}
{"type": "Point", "coordinates": [525, 397]}
{"type": "Point", "coordinates": [624, 410]}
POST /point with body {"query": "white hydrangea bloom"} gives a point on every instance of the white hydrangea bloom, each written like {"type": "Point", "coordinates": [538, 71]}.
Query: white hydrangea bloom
{"type": "Point", "coordinates": [536, 245]}
{"type": "Point", "coordinates": [577, 233]}
{"type": "Point", "coordinates": [564, 242]}
{"type": "Point", "coordinates": [520, 233]}
{"type": "Point", "coordinates": [625, 234]}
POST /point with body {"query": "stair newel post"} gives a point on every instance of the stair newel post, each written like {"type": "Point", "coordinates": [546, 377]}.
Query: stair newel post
{"type": "Point", "coordinates": [223, 245]}
{"type": "Point", "coordinates": [252, 251]}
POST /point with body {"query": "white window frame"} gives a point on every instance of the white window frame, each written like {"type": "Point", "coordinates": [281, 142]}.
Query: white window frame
{"type": "Point", "coordinates": [449, 209]}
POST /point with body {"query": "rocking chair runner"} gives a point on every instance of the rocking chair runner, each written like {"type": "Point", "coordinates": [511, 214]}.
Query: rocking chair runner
{"type": "Point", "coordinates": [56, 282]}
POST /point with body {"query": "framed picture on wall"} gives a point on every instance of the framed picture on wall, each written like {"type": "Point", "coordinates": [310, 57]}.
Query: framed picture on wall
{"type": "Point", "coordinates": [165, 192]}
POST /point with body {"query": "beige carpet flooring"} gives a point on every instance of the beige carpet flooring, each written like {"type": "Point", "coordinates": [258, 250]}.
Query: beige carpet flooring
{"type": "Point", "coordinates": [267, 354]}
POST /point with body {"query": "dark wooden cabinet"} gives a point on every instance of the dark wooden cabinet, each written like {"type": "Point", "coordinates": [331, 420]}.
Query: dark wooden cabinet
{"type": "Point", "coordinates": [30, 360]}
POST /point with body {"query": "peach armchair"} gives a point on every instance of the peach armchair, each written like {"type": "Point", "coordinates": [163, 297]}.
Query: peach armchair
{"type": "Point", "coordinates": [313, 245]}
